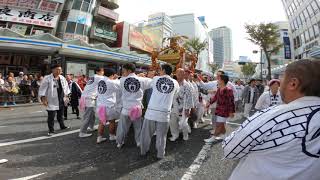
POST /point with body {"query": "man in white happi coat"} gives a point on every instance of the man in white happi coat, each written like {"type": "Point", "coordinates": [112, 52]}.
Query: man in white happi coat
{"type": "Point", "coordinates": [90, 95]}
{"type": "Point", "coordinates": [271, 97]}
{"type": "Point", "coordinates": [158, 112]}
{"type": "Point", "coordinates": [109, 98]}
{"type": "Point", "coordinates": [181, 107]}
{"type": "Point", "coordinates": [282, 142]}
{"type": "Point", "coordinates": [132, 88]}
{"type": "Point", "coordinates": [54, 91]}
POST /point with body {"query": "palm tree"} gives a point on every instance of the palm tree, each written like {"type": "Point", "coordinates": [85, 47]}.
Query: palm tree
{"type": "Point", "coordinates": [195, 46]}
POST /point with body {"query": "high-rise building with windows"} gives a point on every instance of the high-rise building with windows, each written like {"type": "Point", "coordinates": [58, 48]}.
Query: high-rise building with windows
{"type": "Point", "coordinates": [222, 45]}
{"type": "Point", "coordinates": [304, 20]}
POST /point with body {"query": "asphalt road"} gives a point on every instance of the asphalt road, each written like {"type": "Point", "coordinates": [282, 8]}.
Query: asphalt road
{"type": "Point", "coordinates": [69, 157]}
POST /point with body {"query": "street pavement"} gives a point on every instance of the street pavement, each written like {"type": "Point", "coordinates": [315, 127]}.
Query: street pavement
{"type": "Point", "coordinates": [69, 157]}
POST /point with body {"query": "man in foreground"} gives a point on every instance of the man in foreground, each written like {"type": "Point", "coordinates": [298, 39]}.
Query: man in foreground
{"type": "Point", "coordinates": [282, 142]}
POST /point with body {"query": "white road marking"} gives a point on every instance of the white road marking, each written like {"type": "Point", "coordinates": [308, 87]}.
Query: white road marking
{"type": "Point", "coordinates": [42, 137]}
{"type": "Point", "coordinates": [3, 126]}
{"type": "Point", "coordinates": [35, 112]}
{"type": "Point", "coordinates": [228, 122]}
{"type": "Point", "coordinates": [29, 177]}
{"type": "Point", "coordinates": [195, 166]}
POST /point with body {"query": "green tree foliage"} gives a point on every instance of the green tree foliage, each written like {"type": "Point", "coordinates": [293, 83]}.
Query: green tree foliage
{"type": "Point", "coordinates": [265, 35]}
{"type": "Point", "coordinates": [195, 46]}
{"type": "Point", "coordinates": [248, 69]}
{"type": "Point", "coordinates": [214, 67]}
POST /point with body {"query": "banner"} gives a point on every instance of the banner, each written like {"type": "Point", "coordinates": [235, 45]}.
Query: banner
{"type": "Point", "coordinates": [28, 17]}
{"type": "Point", "coordinates": [145, 38]}
{"type": "Point", "coordinates": [287, 48]}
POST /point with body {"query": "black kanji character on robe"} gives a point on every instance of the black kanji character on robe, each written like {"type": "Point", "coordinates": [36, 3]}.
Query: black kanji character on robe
{"type": "Point", "coordinates": [47, 17]}
{"type": "Point", "coordinates": [5, 11]}
{"type": "Point", "coordinates": [28, 13]}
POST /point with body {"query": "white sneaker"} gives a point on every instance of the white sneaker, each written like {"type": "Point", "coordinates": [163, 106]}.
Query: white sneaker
{"type": "Point", "coordinates": [91, 130]}
{"type": "Point", "coordinates": [195, 125]}
{"type": "Point", "coordinates": [100, 139]}
{"type": "Point", "coordinates": [84, 135]}
{"type": "Point", "coordinates": [186, 137]}
{"type": "Point", "coordinates": [112, 137]}
{"type": "Point", "coordinates": [173, 138]}
{"type": "Point", "coordinates": [138, 145]}
{"type": "Point", "coordinates": [119, 145]}
{"type": "Point", "coordinates": [3, 161]}
{"type": "Point", "coordinates": [221, 137]}
{"type": "Point", "coordinates": [211, 139]}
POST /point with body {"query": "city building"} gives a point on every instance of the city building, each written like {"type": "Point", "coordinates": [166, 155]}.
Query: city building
{"type": "Point", "coordinates": [76, 33]}
{"type": "Point", "coordinates": [304, 20]}
{"type": "Point", "coordinates": [189, 25]}
{"type": "Point", "coordinates": [222, 45]}
{"type": "Point", "coordinates": [161, 22]}
{"type": "Point", "coordinates": [285, 53]}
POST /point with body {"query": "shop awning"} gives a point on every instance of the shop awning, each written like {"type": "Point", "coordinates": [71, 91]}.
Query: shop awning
{"type": "Point", "coordinates": [49, 44]}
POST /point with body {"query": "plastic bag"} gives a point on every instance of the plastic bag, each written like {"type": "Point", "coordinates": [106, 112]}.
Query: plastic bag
{"type": "Point", "coordinates": [135, 113]}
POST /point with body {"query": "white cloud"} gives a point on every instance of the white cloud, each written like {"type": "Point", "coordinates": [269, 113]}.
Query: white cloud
{"type": "Point", "coordinates": [231, 13]}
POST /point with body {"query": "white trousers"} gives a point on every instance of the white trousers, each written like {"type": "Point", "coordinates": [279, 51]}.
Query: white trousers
{"type": "Point", "coordinates": [247, 109]}
{"type": "Point", "coordinates": [124, 126]}
{"type": "Point", "coordinates": [175, 128]}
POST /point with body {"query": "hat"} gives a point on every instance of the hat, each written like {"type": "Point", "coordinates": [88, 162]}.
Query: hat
{"type": "Point", "coordinates": [274, 81]}
{"type": "Point", "coordinates": [21, 72]}
{"type": "Point", "coordinates": [251, 81]}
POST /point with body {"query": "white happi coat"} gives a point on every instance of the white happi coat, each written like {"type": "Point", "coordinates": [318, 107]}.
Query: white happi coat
{"type": "Point", "coordinates": [281, 142]}
{"type": "Point", "coordinates": [213, 85]}
{"type": "Point", "coordinates": [91, 89]}
{"type": "Point", "coordinates": [132, 88]}
{"type": "Point", "coordinates": [164, 88]}
{"type": "Point", "coordinates": [108, 91]}
{"type": "Point", "coordinates": [48, 88]}
{"type": "Point", "coordinates": [267, 100]}
{"type": "Point", "coordinates": [183, 99]}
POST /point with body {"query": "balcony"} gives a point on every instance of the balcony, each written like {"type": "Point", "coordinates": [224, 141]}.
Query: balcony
{"type": "Point", "coordinates": [111, 4]}
{"type": "Point", "coordinates": [103, 12]}
{"type": "Point", "coordinates": [104, 34]}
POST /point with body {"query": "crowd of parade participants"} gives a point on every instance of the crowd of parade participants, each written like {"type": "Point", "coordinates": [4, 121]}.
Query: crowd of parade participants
{"type": "Point", "coordinates": [179, 100]}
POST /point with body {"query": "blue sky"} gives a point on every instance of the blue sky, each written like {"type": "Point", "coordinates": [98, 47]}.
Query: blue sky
{"type": "Point", "coordinates": [231, 13]}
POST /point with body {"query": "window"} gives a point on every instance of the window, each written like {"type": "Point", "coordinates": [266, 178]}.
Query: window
{"type": "Point", "coordinates": [71, 26]}
{"type": "Point", "coordinates": [306, 36]}
{"type": "Point", "coordinates": [316, 30]}
{"type": "Point", "coordinates": [80, 28]}
{"type": "Point", "coordinates": [76, 4]}
{"type": "Point", "coordinates": [306, 15]}
{"type": "Point", "coordinates": [311, 33]}
{"type": "Point", "coordinates": [310, 10]}
{"type": "Point", "coordinates": [85, 6]}
{"type": "Point", "coordinates": [302, 18]}
{"type": "Point", "coordinates": [315, 6]}
{"type": "Point", "coordinates": [302, 40]}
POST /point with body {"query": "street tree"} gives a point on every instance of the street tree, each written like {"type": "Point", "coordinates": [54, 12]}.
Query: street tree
{"type": "Point", "coordinates": [248, 69]}
{"type": "Point", "coordinates": [196, 46]}
{"type": "Point", "coordinates": [214, 67]}
{"type": "Point", "coordinates": [265, 35]}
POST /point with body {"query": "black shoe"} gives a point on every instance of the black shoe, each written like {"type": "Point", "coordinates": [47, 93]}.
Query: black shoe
{"type": "Point", "coordinates": [78, 117]}
{"type": "Point", "coordinates": [50, 133]}
{"type": "Point", "coordinates": [73, 113]}
{"type": "Point", "coordinates": [66, 127]}
{"type": "Point", "coordinates": [65, 118]}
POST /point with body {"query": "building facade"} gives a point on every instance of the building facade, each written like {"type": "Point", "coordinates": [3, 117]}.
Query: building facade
{"type": "Point", "coordinates": [304, 20]}
{"type": "Point", "coordinates": [189, 25]}
{"type": "Point", "coordinates": [222, 45]}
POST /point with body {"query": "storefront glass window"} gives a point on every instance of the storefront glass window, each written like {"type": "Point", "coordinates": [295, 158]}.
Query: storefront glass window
{"type": "Point", "coordinates": [71, 26]}
{"type": "Point", "coordinates": [80, 28]}
{"type": "Point", "coordinates": [77, 4]}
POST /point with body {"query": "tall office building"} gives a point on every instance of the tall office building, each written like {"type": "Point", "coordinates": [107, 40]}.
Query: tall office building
{"type": "Point", "coordinates": [161, 22]}
{"type": "Point", "coordinates": [222, 45]}
{"type": "Point", "coordinates": [191, 26]}
{"type": "Point", "coordinates": [304, 19]}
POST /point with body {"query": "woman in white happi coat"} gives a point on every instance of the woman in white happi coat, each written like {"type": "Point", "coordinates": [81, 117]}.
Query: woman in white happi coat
{"type": "Point", "coordinates": [271, 97]}
{"type": "Point", "coordinates": [88, 103]}
{"type": "Point", "coordinates": [53, 93]}
{"type": "Point", "coordinates": [108, 101]}
{"type": "Point", "coordinates": [132, 87]}
{"type": "Point", "coordinates": [282, 142]}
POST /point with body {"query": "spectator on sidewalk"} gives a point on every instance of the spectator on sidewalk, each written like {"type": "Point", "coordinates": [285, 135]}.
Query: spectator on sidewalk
{"type": "Point", "coordinates": [11, 90]}
{"type": "Point", "coordinates": [250, 97]}
{"type": "Point", "coordinates": [1, 90]}
{"type": "Point", "coordinates": [53, 92]}
{"type": "Point", "coordinates": [25, 88]}
{"type": "Point", "coordinates": [19, 78]}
